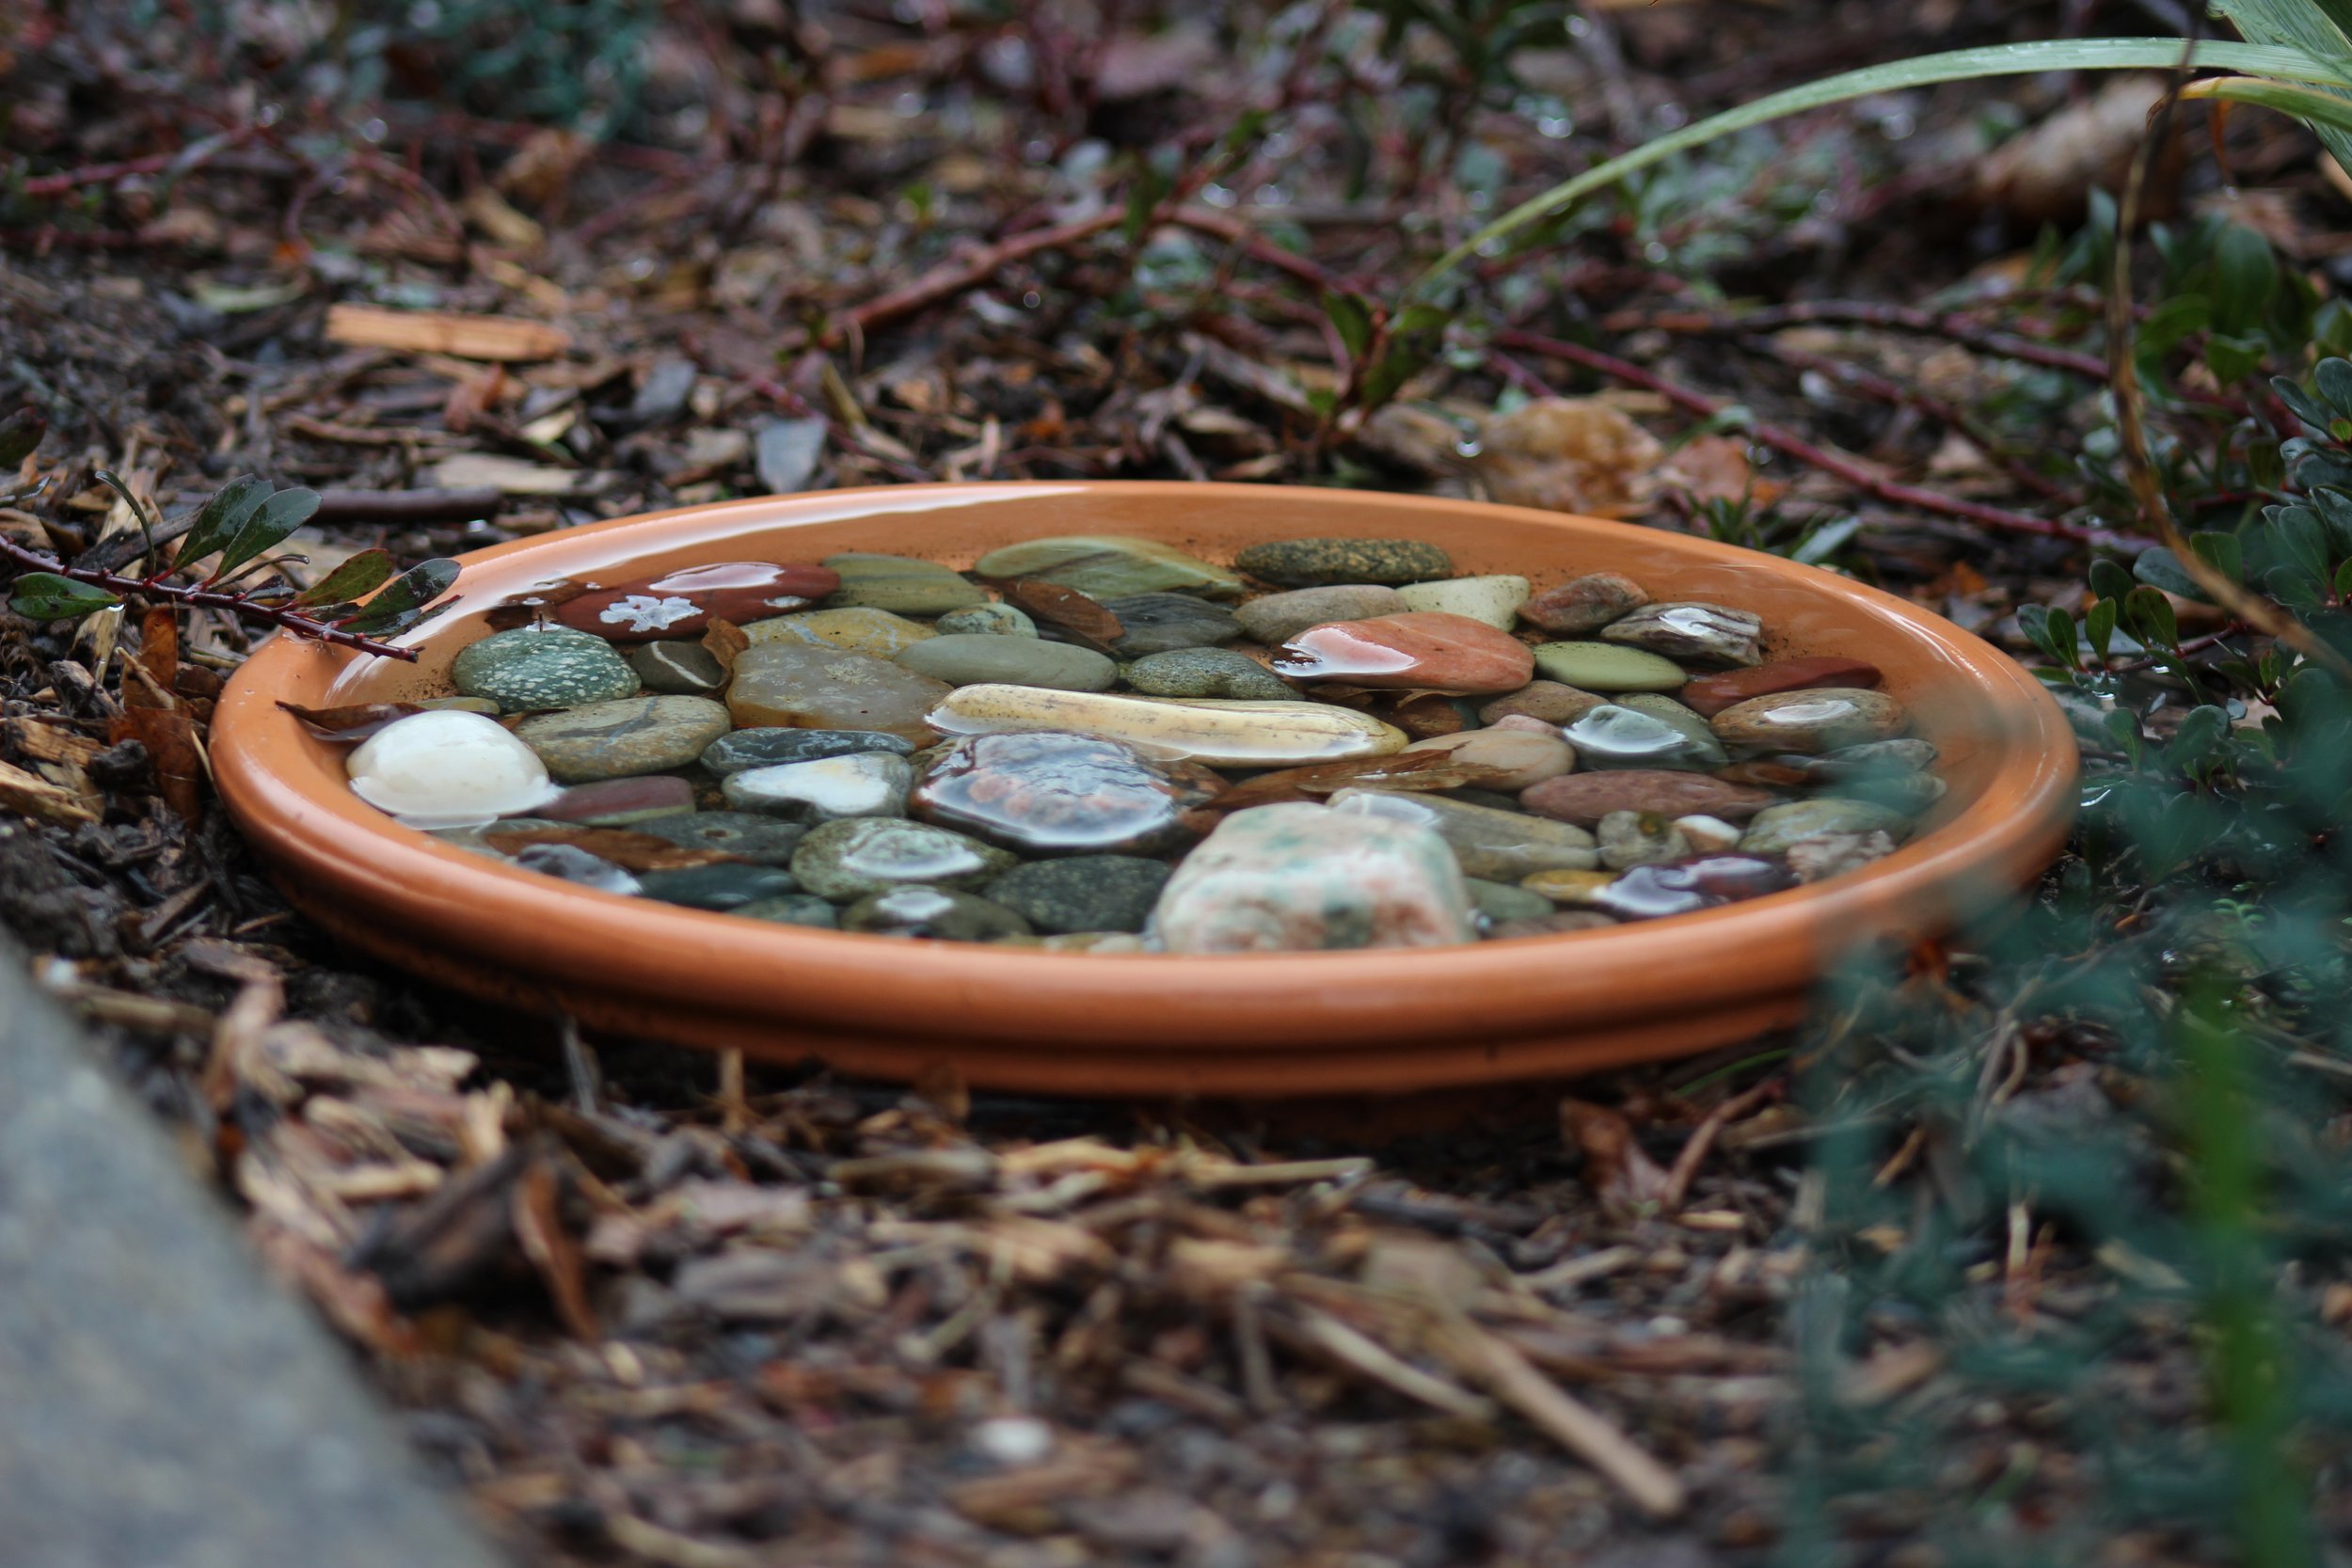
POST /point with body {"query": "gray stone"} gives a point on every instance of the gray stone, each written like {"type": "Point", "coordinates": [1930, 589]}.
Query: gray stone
{"type": "Point", "coordinates": [766, 748]}
{"type": "Point", "coordinates": [535, 667]}
{"type": "Point", "coordinates": [1276, 618]}
{"type": "Point", "coordinates": [900, 584]}
{"type": "Point", "coordinates": [986, 620]}
{"type": "Point", "coordinates": [934, 913]}
{"type": "Point", "coordinates": [982, 659]}
{"type": "Point", "coordinates": [1692, 629]}
{"type": "Point", "coordinates": [846, 860]}
{"type": "Point", "coordinates": [1501, 901]}
{"type": "Point", "coordinates": [1314, 563]}
{"type": "Point", "coordinates": [1160, 623]}
{"type": "Point", "coordinates": [571, 864]}
{"type": "Point", "coordinates": [717, 887]}
{"type": "Point", "coordinates": [785, 454]}
{"type": "Point", "coordinates": [830, 789]}
{"type": "Point", "coordinates": [1613, 737]}
{"type": "Point", "coordinates": [1084, 893]}
{"type": "Point", "coordinates": [1207, 672]}
{"type": "Point", "coordinates": [165, 1403]}
{"type": "Point", "coordinates": [677, 668]}
{"type": "Point", "coordinates": [624, 738]}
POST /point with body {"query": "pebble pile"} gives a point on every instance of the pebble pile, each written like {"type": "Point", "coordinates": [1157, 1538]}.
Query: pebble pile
{"type": "Point", "coordinates": [1104, 744]}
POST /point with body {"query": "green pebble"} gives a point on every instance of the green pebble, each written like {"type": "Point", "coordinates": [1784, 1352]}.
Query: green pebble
{"type": "Point", "coordinates": [1776, 827]}
{"type": "Point", "coordinates": [1082, 893]}
{"type": "Point", "coordinates": [986, 620]}
{"type": "Point", "coordinates": [900, 584]}
{"type": "Point", "coordinates": [793, 908]}
{"type": "Point", "coordinates": [1207, 672]}
{"type": "Point", "coordinates": [531, 668]}
{"type": "Point", "coordinates": [983, 661]}
{"type": "Point", "coordinates": [1609, 667]}
{"type": "Point", "coordinates": [1501, 901]}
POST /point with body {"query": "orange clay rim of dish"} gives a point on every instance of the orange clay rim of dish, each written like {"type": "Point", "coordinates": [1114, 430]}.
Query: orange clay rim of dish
{"type": "Point", "coordinates": [287, 793]}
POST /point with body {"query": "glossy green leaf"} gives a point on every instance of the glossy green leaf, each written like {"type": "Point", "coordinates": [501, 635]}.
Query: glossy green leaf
{"type": "Point", "coordinates": [2108, 579]}
{"type": "Point", "coordinates": [2245, 277]}
{"type": "Point", "coordinates": [2221, 551]}
{"type": "Point", "coordinates": [2334, 379]}
{"type": "Point", "coordinates": [362, 575]}
{"type": "Point", "coordinates": [268, 527]}
{"type": "Point", "coordinates": [47, 596]}
{"type": "Point", "coordinates": [1351, 318]}
{"type": "Point", "coordinates": [2150, 616]}
{"type": "Point", "coordinates": [2160, 569]}
{"type": "Point", "coordinates": [405, 600]}
{"type": "Point", "coordinates": [232, 507]}
{"type": "Point", "coordinates": [2099, 628]}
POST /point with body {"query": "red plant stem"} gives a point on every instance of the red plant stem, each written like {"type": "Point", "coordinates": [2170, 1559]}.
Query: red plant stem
{"type": "Point", "coordinates": [1895, 317]}
{"type": "Point", "coordinates": [1792, 445]}
{"type": "Point", "coordinates": [952, 277]}
{"type": "Point", "coordinates": [1204, 220]}
{"type": "Point", "coordinates": [72, 180]}
{"type": "Point", "coordinates": [302, 626]}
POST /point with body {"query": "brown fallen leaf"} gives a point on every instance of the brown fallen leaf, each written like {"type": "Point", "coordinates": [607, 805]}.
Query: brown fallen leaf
{"type": "Point", "coordinates": [628, 850]}
{"type": "Point", "coordinates": [1066, 608]}
{"type": "Point", "coordinates": [2047, 173]}
{"type": "Point", "coordinates": [539, 1227]}
{"type": "Point", "coordinates": [1615, 1167]}
{"type": "Point", "coordinates": [1404, 770]}
{"type": "Point", "coordinates": [351, 724]}
{"type": "Point", "coordinates": [1569, 454]}
{"type": "Point", "coordinates": [724, 641]}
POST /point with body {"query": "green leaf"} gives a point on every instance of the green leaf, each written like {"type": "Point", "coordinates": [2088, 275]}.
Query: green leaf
{"type": "Point", "coordinates": [2344, 581]}
{"type": "Point", "coordinates": [47, 596]}
{"type": "Point", "coordinates": [404, 600]}
{"type": "Point", "coordinates": [1351, 318]}
{"type": "Point", "coordinates": [2016, 60]}
{"type": "Point", "coordinates": [2233, 360]}
{"type": "Point", "coordinates": [2334, 379]}
{"type": "Point", "coordinates": [267, 528]}
{"type": "Point", "coordinates": [232, 507]}
{"type": "Point", "coordinates": [2160, 569]}
{"type": "Point", "coordinates": [2053, 632]}
{"type": "Point", "coordinates": [353, 580]}
{"type": "Point", "coordinates": [2149, 613]}
{"type": "Point", "coordinates": [20, 433]}
{"type": "Point", "coordinates": [2220, 551]}
{"type": "Point", "coordinates": [2245, 277]}
{"type": "Point", "coordinates": [2098, 628]}
{"type": "Point", "coordinates": [2109, 580]}
{"type": "Point", "coordinates": [2171, 320]}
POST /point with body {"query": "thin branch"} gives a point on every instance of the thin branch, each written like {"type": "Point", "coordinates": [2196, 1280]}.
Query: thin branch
{"type": "Point", "coordinates": [1792, 445]}
{"type": "Point", "coordinates": [953, 278]}
{"type": "Point", "coordinates": [1899, 318]}
{"type": "Point", "coordinates": [236, 603]}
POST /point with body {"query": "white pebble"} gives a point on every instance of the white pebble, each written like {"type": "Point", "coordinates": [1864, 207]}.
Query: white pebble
{"type": "Point", "coordinates": [1013, 1440]}
{"type": "Point", "coordinates": [1709, 835]}
{"type": "Point", "coordinates": [446, 768]}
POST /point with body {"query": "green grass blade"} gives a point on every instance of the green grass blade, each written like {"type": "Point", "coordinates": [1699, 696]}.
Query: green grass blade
{"type": "Point", "coordinates": [2320, 28]}
{"type": "Point", "coordinates": [1960, 65]}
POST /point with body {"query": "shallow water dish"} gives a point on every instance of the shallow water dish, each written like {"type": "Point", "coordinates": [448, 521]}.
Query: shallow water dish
{"type": "Point", "coordinates": [1118, 1024]}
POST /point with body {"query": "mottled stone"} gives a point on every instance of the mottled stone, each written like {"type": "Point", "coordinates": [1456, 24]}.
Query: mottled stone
{"type": "Point", "coordinates": [900, 584]}
{"type": "Point", "coordinates": [1583, 605]}
{"type": "Point", "coordinates": [621, 803]}
{"type": "Point", "coordinates": [1084, 893]}
{"type": "Point", "coordinates": [1206, 673]}
{"type": "Point", "coordinates": [792, 908]}
{"type": "Point", "coordinates": [1221, 734]}
{"type": "Point", "coordinates": [1111, 567]}
{"type": "Point", "coordinates": [1692, 629]}
{"type": "Point", "coordinates": [1052, 793]}
{"type": "Point", "coordinates": [766, 748]}
{"type": "Point", "coordinates": [718, 886]}
{"type": "Point", "coordinates": [858, 629]}
{"type": "Point", "coordinates": [1496, 902]}
{"type": "Point", "coordinates": [1548, 701]}
{"type": "Point", "coordinates": [448, 769]}
{"type": "Point", "coordinates": [1776, 827]}
{"type": "Point", "coordinates": [1516, 759]}
{"type": "Point", "coordinates": [569, 862]}
{"type": "Point", "coordinates": [829, 789]}
{"type": "Point", "coordinates": [1319, 563]}
{"type": "Point", "coordinates": [1418, 650]}
{"type": "Point", "coordinates": [1278, 617]}
{"type": "Point", "coordinates": [746, 835]}
{"type": "Point", "coordinates": [677, 668]}
{"type": "Point", "coordinates": [1631, 838]}
{"type": "Point", "coordinates": [1875, 756]}
{"type": "Point", "coordinates": [1821, 719]}
{"type": "Point", "coordinates": [624, 738]}
{"type": "Point", "coordinates": [982, 659]}
{"type": "Point", "coordinates": [535, 667]}
{"type": "Point", "coordinates": [1606, 667]}
{"type": "Point", "coordinates": [1160, 623]}
{"type": "Point", "coordinates": [823, 689]}
{"type": "Point", "coordinates": [1302, 877]}
{"type": "Point", "coordinates": [1654, 891]}
{"type": "Point", "coordinates": [1812, 859]}
{"type": "Point", "coordinates": [1611, 737]}
{"type": "Point", "coordinates": [986, 620]}
{"type": "Point", "coordinates": [935, 914]}
{"type": "Point", "coordinates": [843, 861]}
{"type": "Point", "coordinates": [1585, 798]}
{"type": "Point", "coordinates": [683, 604]}
{"type": "Point", "coordinates": [1710, 695]}
{"type": "Point", "coordinates": [1494, 600]}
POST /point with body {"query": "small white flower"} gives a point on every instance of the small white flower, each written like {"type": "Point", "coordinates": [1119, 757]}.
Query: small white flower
{"type": "Point", "coordinates": [644, 612]}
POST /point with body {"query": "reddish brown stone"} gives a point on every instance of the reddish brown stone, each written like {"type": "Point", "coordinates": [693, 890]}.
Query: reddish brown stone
{"type": "Point", "coordinates": [1585, 798]}
{"type": "Point", "coordinates": [1583, 605]}
{"type": "Point", "coordinates": [682, 604]}
{"type": "Point", "coordinates": [1425, 649]}
{"type": "Point", "coordinates": [1548, 700]}
{"type": "Point", "coordinates": [615, 802]}
{"type": "Point", "coordinates": [1710, 694]}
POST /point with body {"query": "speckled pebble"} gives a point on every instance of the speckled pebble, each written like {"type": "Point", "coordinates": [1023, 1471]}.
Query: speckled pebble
{"type": "Point", "coordinates": [1316, 563]}
{"type": "Point", "coordinates": [766, 748]}
{"type": "Point", "coordinates": [936, 913]}
{"type": "Point", "coordinates": [1275, 618]}
{"type": "Point", "coordinates": [533, 668]}
{"type": "Point", "coordinates": [1206, 673]}
{"type": "Point", "coordinates": [986, 620]}
{"type": "Point", "coordinates": [1082, 893]}
{"type": "Point", "coordinates": [1161, 623]}
{"type": "Point", "coordinates": [622, 738]}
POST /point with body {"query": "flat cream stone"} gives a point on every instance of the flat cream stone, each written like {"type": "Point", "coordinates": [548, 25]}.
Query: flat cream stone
{"type": "Point", "coordinates": [1214, 731]}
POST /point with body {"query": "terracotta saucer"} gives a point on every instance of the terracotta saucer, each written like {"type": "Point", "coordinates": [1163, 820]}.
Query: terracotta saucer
{"type": "Point", "coordinates": [1261, 1024]}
